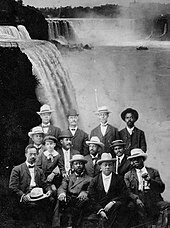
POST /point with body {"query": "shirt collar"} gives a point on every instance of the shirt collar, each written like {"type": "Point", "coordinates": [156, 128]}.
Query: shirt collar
{"type": "Point", "coordinates": [104, 125]}
{"type": "Point", "coordinates": [71, 128]}
{"type": "Point", "coordinates": [38, 147]}
{"type": "Point", "coordinates": [54, 153]}
{"type": "Point", "coordinates": [121, 157]}
{"type": "Point", "coordinates": [143, 170]}
{"type": "Point", "coordinates": [130, 130]}
{"type": "Point", "coordinates": [66, 151]}
{"type": "Point", "coordinates": [28, 164]}
{"type": "Point", "coordinates": [45, 125]}
{"type": "Point", "coordinates": [106, 177]}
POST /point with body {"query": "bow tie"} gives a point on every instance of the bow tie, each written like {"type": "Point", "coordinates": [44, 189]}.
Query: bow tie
{"type": "Point", "coordinates": [31, 166]}
{"type": "Point", "coordinates": [73, 129]}
{"type": "Point", "coordinates": [45, 125]}
{"type": "Point", "coordinates": [104, 125]}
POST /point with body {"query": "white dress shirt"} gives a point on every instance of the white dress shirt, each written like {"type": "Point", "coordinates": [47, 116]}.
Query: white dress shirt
{"type": "Point", "coordinates": [32, 174]}
{"type": "Point", "coordinates": [103, 128]}
{"type": "Point", "coordinates": [106, 181]}
{"type": "Point", "coordinates": [51, 155]}
{"type": "Point", "coordinates": [66, 160]}
{"type": "Point", "coordinates": [73, 130]}
{"type": "Point", "coordinates": [130, 130]}
{"type": "Point", "coordinates": [45, 127]}
{"type": "Point", "coordinates": [142, 183]}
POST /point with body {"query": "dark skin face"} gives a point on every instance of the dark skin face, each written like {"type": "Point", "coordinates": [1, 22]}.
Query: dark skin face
{"type": "Point", "coordinates": [93, 149]}
{"type": "Point", "coordinates": [119, 150]}
{"type": "Point", "coordinates": [78, 166]}
{"type": "Point", "coordinates": [130, 120]}
{"type": "Point", "coordinates": [66, 143]}
{"type": "Point", "coordinates": [137, 162]}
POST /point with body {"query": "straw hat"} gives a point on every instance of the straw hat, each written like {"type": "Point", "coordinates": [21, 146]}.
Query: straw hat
{"type": "Point", "coordinates": [137, 153]}
{"type": "Point", "coordinates": [45, 108]}
{"type": "Point", "coordinates": [50, 138]}
{"type": "Point", "coordinates": [37, 194]}
{"type": "Point", "coordinates": [130, 110]}
{"type": "Point", "coordinates": [35, 130]}
{"type": "Point", "coordinates": [95, 140]}
{"type": "Point", "coordinates": [117, 143]}
{"type": "Point", "coordinates": [106, 157]}
{"type": "Point", "coordinates": [103, 109]}
{"type": "Point", "coordinates": [78, 157]}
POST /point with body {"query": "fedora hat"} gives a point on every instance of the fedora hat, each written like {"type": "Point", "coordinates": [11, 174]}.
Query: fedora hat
{"type": "Point", "coordinates": [117, 143]}
{"type": "Point", "coordinates": [130, 110]}
{"type": "Point", "coordinates": [103, 109]}
{"type": "Point", "coordinates": [50, 138]}
{"type": "Point", "coordinates": [72, 112]}
{"type": "Point", "coordinates": [35, 130]}
{"type": "Point", "coordinates": [45, 108]}
{"type": "Point", "coordinates": [37, 194]}
{"type": "Point", "coordinates": [78, 157]}
{"type": "Point", "coordinates": [65, 134]}
{"type": "Point", "coordinates": [95, 140]}
{"type": "Point", "coordinates": [106, 157]}
{"type": "Point", "coordinates": [137, 153]}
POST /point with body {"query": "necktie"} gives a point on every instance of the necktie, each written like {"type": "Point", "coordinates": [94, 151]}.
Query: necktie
{"type": "Point", "coordinates": [31, 166]}
{"type": "Point", "coordinates": [50, 156]}
{"type": "Point", "coordinates": [94, 160]}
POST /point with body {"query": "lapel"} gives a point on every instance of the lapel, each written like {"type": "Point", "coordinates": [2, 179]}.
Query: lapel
{"type": "Point", "coordinates": [134, 178]}
{"type": "Point", "coordinates": [61, 153]}
{"type": "Point", "coordinates": [99, 133]}
{"type": "Point", "coordinates": [76, 180]}
{"type": "Point", "coordinates": [76, 133]}
{"type": "Point", "coordinates": [26, 169]}
{"type": "Point", "coordinates": [108, 129]}
{"type": "Point", "coordinates": [50, 129]}
{"type": "Point", "coordinates": [36, 174]}
{"type": "Point", "coordinates": [101, 185]}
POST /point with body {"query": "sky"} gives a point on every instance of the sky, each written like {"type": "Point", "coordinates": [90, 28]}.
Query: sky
{"type": "Point", "coordinates": [91, 3]}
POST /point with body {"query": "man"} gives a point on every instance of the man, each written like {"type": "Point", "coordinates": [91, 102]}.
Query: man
{"type": "Point", "coordinates": [73, 190]}
{"type": "Point", "coordinates": [123, 165]}
{"type": "Point", "coordinates": [145, 187]}
{"type": "Point", "coordinates": [104, 131]}
{"type": "Point", "coordinates": [79, 137]}
{"type": "Point", "coordinates": [95, 147]}
{"type": "Point", "coordinates": [107, 192]}
{"type": "Point", "coordinates": [66, 151]}
{"type": "Point", "coordinates": [37, 135]}
{"type": "Point", "coordinates": [45, 115]}
{"type": "Point", "coordinates": [131, 135]}
{"type": "Point", "coordinates": [23, 179]}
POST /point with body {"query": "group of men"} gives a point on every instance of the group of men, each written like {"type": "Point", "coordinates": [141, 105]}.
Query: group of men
{"type": "Point", "coordinates": [104, 177]}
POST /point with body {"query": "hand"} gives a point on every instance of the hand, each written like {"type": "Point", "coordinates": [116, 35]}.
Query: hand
{"type": "Point", "coordinates": [56, 171]}
{"type": "Point", "coordinates": [139, 203]}
{"type": "Point", "coordinates": [26, 198]}
{"type": "Point", "coordinates": [65, 175]}
{"type": "Point", "coordinates": [62, 197]}
{"type": "Point", "coordinates": [109, 205]}
{"type": "Point", "coordinates": [48, 193]}
{"type": "Point", "coordinates": [146, 176]}
{"type": "Point", "coordinates": [50, 177]}
{"type": "Point", "coordinates": [103, 215]}
{"type": "Point", "coordinates": [82, 196]}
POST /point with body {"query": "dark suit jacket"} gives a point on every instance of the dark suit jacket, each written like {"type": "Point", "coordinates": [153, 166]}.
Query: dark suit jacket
{"type": "Point", "coordinates": [54, 131]}
{"type": "Point", "coordinates": [92, 170]}
{"type": "Point", "coordinates": [156, 185]}
{"type": "Point", "coordinates": [136, 140]}
{"type": "Point", "coordinates": [117, 191]}
{"type": "Point", "coordinates": [20, 179]}
{"type": "Point", "coordinates": [110, 135]}
{"type": "Point", "coordinates": [79, 141]}
{"type": "Point", "coordinates": [73, 185]}
{"type": "Point", "coordinates": [124, 166]}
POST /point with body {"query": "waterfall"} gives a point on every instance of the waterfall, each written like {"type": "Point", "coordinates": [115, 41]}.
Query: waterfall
{"type": "Point", "coordinates": [61, 27]}
{"type": "Point", "coordinates": [55, 86]}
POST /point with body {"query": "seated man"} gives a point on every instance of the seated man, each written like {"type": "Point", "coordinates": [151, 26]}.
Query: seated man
{"type": "Point", "coordinates": [123, 165]}
{"type": "Point", "coordinates": [73, 191]}
{"type": "Point", "coordinates": [95, 147]}
{"type": "Point", "coordinates": [145, 187]}
{"type": "Point", "coordinates": [107, 193]}
{"type": "Point", "coordinates": [24, 178]}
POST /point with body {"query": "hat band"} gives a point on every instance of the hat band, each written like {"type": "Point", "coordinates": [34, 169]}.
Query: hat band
{"type": "Point", "coordinates": [36, 197]}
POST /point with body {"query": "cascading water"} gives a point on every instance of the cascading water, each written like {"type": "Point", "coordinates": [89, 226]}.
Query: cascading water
{"type": "Point", "coordinates": [55, 86]}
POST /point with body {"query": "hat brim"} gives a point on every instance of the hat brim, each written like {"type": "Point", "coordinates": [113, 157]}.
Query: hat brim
{"type": "Point", "coordinates": [49, 111]}
{"type": "Point", "coordinates": [96, 143]}
{"type": "Point", "coordinates": [99, 162]}
{"type": "Point", "coordinates": [139, 155]}
{"type": "Point", "coordinates": [40, 198]}
{"type": "Point", "coordinates": [102, 112]}
{"type": "Point", "coordinates": [129, 110]}
{"type": "Point", "coordinates": [64, 136]}
{"type": "Point", "coordinates": [33, 133]}
{"type": "Point", "coordinates": [82, 160]}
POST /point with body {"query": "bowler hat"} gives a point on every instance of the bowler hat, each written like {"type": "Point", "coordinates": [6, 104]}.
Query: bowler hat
{"type": "Point", "coordinates": [78, 157]}
{"type": "Point", "coordinates": [50, 138]}
{"type": "Point", "coordinates": [137, 152]}
{"type": "Point", "coordinates": [45, 108]}
{"type": "Point", "coordinates": [35, 130]}
{"type": "Point", "coordinates": [130, 110]}
{"type": "Point", "coordinates": [65, 134]}
{"type": "Point", "coordinates": [72, 112]}
{"type": "Point", "coordinates": [95, 140]}
{"type": "Point", "coordinates": [103, 109]}
{"type": "Point", "coordinates": [118, 142]}
{"type": "Point", "coordinates": [106, 157]}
